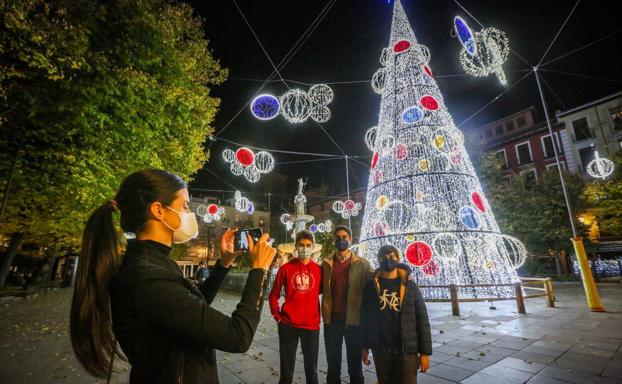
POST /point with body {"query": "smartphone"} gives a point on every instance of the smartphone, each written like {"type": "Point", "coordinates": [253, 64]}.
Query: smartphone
{"type": "Point", "coordinates": [240, 241]}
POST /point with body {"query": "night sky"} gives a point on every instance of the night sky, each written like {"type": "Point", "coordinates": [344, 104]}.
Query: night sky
{"type": "Point", "coordinates": [346, 45]}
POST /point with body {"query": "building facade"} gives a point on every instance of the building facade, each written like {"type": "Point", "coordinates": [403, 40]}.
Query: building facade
{"type": "Point", "coordinates": [524, 145]}
{"type": "Point", "coordinates": [596, 125]}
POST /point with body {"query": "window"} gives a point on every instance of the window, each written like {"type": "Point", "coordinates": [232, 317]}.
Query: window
{"type": "Point", "coordinates": [547, 146]}
{"type": "Point", "coordinates": [529, 177]}
{"type": "Point", "coordinates": [509, 125]}
{"type": "Point", "coordinates": [502, 155]}
{"type": "Point", "coordinates": [582, 129]}
{"type": "Point", "coordinates": [499, 130]}
{"type": "Point", "coordinates": [523, 153]}
{"type": "Point", "coordinates": [553, 166]}
{"type": "Point", "coordinates": [521, 121]}
{"type": "Point", "coordinates": [586, 155]}
{"type": "Point", "coordinates": [488, 133]}
{"type": "Point", "coordinates": [615, 115]}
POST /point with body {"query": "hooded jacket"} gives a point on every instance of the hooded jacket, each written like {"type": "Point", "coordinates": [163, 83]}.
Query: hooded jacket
{"type": "Point", "coordinates": [301, 283]}
{"type": "Point", "coordinates": [415, 326]}
{"type": "Point", "coordinates": [165, 324]}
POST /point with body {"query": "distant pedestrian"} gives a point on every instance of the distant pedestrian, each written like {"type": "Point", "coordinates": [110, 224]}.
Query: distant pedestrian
{"type": "Point", "coordinates": [394, 322]}
{"type": "Point", "coordinates": [202, 273]}
{"type": "Point", "coordinates": [299, 316]}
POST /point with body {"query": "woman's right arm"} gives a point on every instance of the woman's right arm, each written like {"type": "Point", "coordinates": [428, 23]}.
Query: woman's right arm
{"type": "Point", "coordinates": [167, 305]}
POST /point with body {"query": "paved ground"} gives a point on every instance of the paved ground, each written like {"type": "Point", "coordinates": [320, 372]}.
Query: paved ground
{"type": "Point", "coordinates": [545, 346]}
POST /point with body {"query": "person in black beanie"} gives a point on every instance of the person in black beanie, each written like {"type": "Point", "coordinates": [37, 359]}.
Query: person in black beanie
{"type": "Point", "coordinates": [394, 322]}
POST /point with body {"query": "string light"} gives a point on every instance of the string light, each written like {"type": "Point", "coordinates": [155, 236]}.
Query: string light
{"type": "Point", "coordinates": [423, 194]}
{"type": "Point", "coordinates": [243, 204]}
{"type": "Point", "coordinates": [600, 167]}
{"type": "Point", "coordinates": [482, 52]}
{"type": "Point", "coordinates": [245, 162]}
{"type": "Point", "coordinates": [347, 208]}
{"type": "Point", "coordinates": [210, 213]}
{"type": "Point", "coordinates": [297, 105]}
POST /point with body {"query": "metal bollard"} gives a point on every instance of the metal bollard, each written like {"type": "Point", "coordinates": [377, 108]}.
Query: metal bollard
{"type": "Point", "coordinates": [455, 305]}
{"type": "Point", "coordinates": [520, 300]}
{"type": "Point", "coordinates": [550, 297]}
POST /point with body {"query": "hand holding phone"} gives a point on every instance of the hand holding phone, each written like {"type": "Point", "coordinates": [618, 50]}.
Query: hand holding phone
{"type": "Point", "coordinates": [241, 238]}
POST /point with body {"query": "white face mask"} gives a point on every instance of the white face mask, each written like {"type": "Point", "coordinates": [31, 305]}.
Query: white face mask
{"type": "Point", "coordinates": [304, 252]}
{"type": "Point", "coordinates": [188, 227]}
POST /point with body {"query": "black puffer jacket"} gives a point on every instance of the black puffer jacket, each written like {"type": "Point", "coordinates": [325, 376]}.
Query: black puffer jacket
{"type": "Point", "coordinates": [165, 325]}
{"type": "Point", "coordinates": [415, 326]}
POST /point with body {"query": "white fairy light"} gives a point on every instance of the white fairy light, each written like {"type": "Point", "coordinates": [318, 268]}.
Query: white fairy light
{"type": "Point", "coordinates": [320, 94]}
{"type": "Point", "coordinates": [295, 106]}
{"type": "Point", "coordinates": [347, 209]}
{"type": "Point", "coordinates": [600, 167]}
{"type": "Point", "coordinates": [243, 204]}
{"type": "Point", "coordinates": [378, 80]}
{"type": "Point", "coordinates": [483, 52]}
{"type": "Point", "coordinates": [245, 162]}
{"type": "Point", "coordinates": [423, 194]}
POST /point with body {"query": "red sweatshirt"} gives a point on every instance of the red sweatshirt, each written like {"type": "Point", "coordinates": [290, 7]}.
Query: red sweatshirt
{"type": "Point", "coordinates": [301, 284]}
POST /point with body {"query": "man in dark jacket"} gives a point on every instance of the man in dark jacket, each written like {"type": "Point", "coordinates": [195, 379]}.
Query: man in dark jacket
{"type": "Point", "coordinates": [394, 322]}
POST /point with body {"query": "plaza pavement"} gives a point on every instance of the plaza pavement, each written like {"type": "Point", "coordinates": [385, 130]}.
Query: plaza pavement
{"type": "Point", "coordinates": [567, 344]}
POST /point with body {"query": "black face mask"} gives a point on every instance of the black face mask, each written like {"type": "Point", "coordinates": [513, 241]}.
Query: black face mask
{"type": "Point", "coordinates": [388, 265]}
{"type": "Point", "coordinates": [342, 244]}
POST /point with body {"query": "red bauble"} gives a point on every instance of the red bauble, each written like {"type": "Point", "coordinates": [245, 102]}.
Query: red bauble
{"type": "Point", "coordinates": [401, 46]}
{"type": "Point", "coordinates": [349, 205]}
{"type": "Point", "coordinates": [212, 209]}
{"type": "Point", "coordinates": [419, 253]}
{"type": "Point", "coordinates": [429, 103]}
{"type": "Point", "coordinates": [428, 71]}
{"type": "Point", "coordinates": [477, 200]}
{"type": "Point", "coordinates": [401, 151]}
{"type": "Point", "coordinates": [245, 156]}
{"type": "Point", "coordinates": [374, 160]}
{"type": "Point", "coordinates": [380, 229]}
{"type": "Point", "coordinates": [432, 269]}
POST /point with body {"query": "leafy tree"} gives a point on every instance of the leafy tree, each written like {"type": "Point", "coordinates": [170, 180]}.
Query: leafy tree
{"type": "Point", "coordinates": [604, 197]}
{"type": "Point", "coordinates": [91, 91]}
{"type": "Point", "coordinates": [536, 213]}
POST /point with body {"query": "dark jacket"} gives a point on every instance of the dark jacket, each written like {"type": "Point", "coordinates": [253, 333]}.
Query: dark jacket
{"type": "Point", "coordinates": [415, 326]}
{"type": "Point", "coordinates": [165, 324]}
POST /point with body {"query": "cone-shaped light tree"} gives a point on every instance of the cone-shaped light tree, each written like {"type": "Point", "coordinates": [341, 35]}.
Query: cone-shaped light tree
{"type": "Point", "coordinates": [423, 195]}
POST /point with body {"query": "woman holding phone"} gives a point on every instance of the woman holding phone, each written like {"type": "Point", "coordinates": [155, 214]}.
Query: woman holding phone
{"type": "Point", "coordinates": [164, 324]}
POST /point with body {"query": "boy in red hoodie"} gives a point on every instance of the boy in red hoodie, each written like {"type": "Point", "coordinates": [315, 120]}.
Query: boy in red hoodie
{"type": "Point", "coordinates": [299, 316]}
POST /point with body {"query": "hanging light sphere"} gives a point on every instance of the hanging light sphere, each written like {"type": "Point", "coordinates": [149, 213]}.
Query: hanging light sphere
{"type": "Point", "coordinates": [295, 106]}
{"type": "Point", "coordinates": [265, 107]}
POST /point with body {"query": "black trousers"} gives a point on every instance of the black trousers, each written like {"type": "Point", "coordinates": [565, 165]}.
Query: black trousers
{"type": "Point", "coordinates": [334, 334]}
{"type": "Point", "coordinates": [395, 368]}
{"type": "Point", "coordinates": [288, 344]}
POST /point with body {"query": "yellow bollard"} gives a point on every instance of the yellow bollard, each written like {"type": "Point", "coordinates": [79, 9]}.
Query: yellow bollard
{"type": "Point", "coordinates": [591, 292]}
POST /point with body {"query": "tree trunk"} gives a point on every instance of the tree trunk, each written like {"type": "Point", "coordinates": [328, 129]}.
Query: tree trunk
{"type": "Point", "coordinates": [7, 260]}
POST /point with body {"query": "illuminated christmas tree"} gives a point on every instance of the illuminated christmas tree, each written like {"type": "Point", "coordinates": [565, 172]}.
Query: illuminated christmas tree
{"type": "Point", "coordinates": [423, 195]}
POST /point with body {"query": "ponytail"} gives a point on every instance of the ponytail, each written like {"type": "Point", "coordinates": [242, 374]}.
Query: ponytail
{"type": "Point", "coordinates": [90, 321]}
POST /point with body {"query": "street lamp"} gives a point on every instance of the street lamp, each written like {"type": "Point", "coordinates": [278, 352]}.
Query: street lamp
{"type": "Point", "coordinates": [591, 291]}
